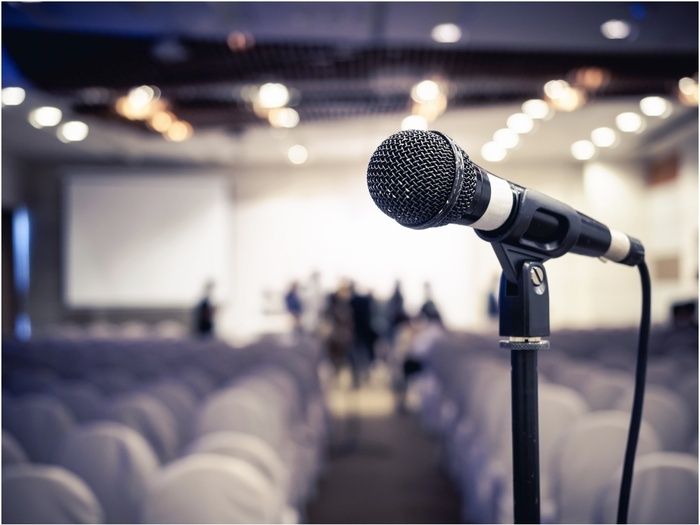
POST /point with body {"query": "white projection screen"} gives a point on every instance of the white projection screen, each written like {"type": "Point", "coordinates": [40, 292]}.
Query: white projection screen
{"type": "Point", "coordinates": [144, 241]}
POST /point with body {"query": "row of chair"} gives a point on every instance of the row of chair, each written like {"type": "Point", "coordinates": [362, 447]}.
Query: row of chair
{"type": "Point", "coordinates": [584, 405]}
{"type": "Point", "coordinates": [213, 434]}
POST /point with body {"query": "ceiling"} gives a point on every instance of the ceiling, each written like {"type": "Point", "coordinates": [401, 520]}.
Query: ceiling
{"type": "Point", "coordinates": [349, 67]}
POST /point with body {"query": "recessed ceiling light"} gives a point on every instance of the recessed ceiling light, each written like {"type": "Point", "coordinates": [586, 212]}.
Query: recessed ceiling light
{"type": "Point", "coordinates": [616, 29]}
{"type": "Point", "coordinates": [629, 122]}
{"type": "Point", "coordinates": [179, 131]}
{"type": "Point", "coordinates": [582, 150]}
{"type": "Point", "coordinates": [537, 108]}
{"type": "Point", "coordinates": [45, 117]}
{"type": "Point", "coordinates": [12, 96]}
{"type": "Point", "coordinates": [604, 137]}
{"type": "Point", "coordinates": [520, 123]}
{"type": "Point", "coordinates": [297, 154]}
{"type": "Point", "coordinates": [425, 91]}
{"type": "Point", "coordinates": [72, 131]}
{"type": "Point", "coordinates": [506, 138]}
{"type": "Point", "coordinates": [446, 33]}
{"type": "Point", "coordinates": [414, 122]}
{"type": "Point", "coordinates": [272, 95]}
{"type": "Point", "coordinates": [493, 152]}
{"type": "Point", "coordinates": [283, 117]}
{"type": "Point", "coordinates": [655, 107]}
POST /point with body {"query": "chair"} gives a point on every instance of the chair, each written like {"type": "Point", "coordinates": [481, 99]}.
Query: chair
{"type": "Point", "coordinates": [84, 400]}
{"type": "Point", "coordinates": [664, 490]}
{"type": "Point", "coordinates": [151, 419]}
{"type": "Point", "coordinates": [115, 462]}
{"type": "Point", "coordinates": [204, 488]}
{"type": "Point", "coordinates": [246, 447]}
{"type": "Point", "coordinates": [180, 401]}
{"type": "Point", "coordinates": [39, 423]}
{"type": "Point", "coordinates": [12, 452]}
{"type": "Point", "coordinates": [587, 456]}
{"type": "Point", "coordinates": [43, 494]}
{"type": "Point", "coordinates": [667, 413]}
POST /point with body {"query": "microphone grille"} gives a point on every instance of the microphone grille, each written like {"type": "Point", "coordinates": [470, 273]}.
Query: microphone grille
{"type": "Point", "coordinates": [410, 177]}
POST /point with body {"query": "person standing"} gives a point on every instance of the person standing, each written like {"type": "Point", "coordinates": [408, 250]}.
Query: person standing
{"type": "Point", "coordinates": [204, 313]}
{"type": "Point", "coordinates": [293, 304]}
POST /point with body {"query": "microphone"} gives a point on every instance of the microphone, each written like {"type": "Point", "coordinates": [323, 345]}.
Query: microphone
{"type": "Point", "coordinates": [422, 179]}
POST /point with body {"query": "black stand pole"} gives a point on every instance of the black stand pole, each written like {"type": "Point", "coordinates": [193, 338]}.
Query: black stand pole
{"type": "Point", "coordinates": [524, 319]}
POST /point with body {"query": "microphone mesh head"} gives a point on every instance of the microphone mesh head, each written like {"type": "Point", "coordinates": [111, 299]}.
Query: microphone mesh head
{"type": "Point", "coordinates": [410, 178]}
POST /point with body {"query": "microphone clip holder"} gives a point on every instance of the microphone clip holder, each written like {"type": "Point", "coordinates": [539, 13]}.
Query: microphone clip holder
{"type": "Point", "coordinates": [524, 319]}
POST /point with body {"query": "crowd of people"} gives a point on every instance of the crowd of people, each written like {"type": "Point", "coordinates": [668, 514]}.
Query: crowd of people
{"type": "Point", "coordinates": [356, 328]}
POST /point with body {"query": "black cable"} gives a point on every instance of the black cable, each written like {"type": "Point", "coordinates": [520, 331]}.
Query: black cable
{"type": "Point", "coordinates": [637, 404]}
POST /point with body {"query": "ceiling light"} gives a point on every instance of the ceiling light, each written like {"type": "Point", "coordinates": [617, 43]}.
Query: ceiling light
{"type": "Point", "coordinates": [162, 121]}
{"type": "Point", "coordinates": [493, 152]}
{"type": "Point", "coordinates": [45, 117]}
{"type": "Point", "coordinates": [520, 123]}
{"type": "Point", "coordinates": [629, 122]}
{"type": "Point", "coordinates": [688, 91]}
{"type": "Point", "coordinates": [616, 29]}
{"type": "Point", "coordinates": [297, 154]}
{"type": "Point", "coordinates": [446, 33]}
{"type": "Point", "coordinates": [179, 131]}
{"type": "Point", "coordinates": [72, 131]}
{"type": "Point", "coordinates": [556, 88]}
{"type": "Point", "coordinates": [425, 91]}
{"type": "Point", "coordinates": [604, 137]}
{"type": "Point", "coordinates": [142, 96]}
{"type": "Point", "coordinates": [12, 96]}
{"type": "Point", "coordinates": [272, 95]}
{"type": "Point", "coordinates": [283, 117]}
{"type": "Point", "coordinates": [591, 78]}
{"type": "Point", "coordinates": [537, 108]}
{"type": "Point", "coordinates": [655, 107]}
{"type": "Point", "coordinates": [506, 138]}
{"type": "Point", "coordinates": [239, 41]}
{"type": "Point", "coordinates": [414, 122]}
{"type": "Point", "coordinates": [582, 150]}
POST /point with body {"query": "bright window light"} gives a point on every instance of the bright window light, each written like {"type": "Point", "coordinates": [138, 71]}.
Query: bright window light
{"type": "Point", "coordinates": [45, 117]}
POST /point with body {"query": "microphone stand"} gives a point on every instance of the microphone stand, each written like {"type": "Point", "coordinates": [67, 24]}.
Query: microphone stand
{"type": "Point", "coordinates": [524, 319]}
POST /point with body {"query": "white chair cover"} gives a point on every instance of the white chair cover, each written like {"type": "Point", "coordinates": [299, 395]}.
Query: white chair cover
{"type": "Point", "coordinates": [667, 413]}
{"type": "Point", "coordinates": [39, 423]}
{"type": "Point", "coordinates": [180, 401]}
{"type": "Point", "coordinates": [204, 488]}
{"type": "Point", "coordinates": [12, 452]}
{"type": "Point", "coordinates": [42, 494]}
{"type": "Point", "coordinates": [587, 456]}
{"type": "Point", "coordinates": [84, 400]}
{"type": "Point", "coordinates": [664, 490]}
{"type": "Point", "coordinates": [115, 462]}
{"type": "Point", "coordinates": [151, 419]}
{"type": "Point", "coordinates": [249, 448]}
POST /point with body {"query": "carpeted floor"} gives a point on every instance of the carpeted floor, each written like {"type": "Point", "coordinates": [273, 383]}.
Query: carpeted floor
{"type": "Point", "coordinates": [382, 467]}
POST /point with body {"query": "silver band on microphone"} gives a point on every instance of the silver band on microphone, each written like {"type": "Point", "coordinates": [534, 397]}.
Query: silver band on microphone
{"type": "Point", "coordinates": [619, 246]}
{"type": "Point", "coordinates": [499, 207]}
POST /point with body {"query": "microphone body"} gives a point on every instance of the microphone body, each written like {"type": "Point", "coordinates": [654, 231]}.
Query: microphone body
{"type": "Point", "coordinates": [500, 211]}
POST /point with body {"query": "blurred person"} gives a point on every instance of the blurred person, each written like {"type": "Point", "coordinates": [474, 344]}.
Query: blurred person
{"type": "Point", "coordinates": [204, 312]}
{"type": "Point", "coordinates": [364, 335]}
{"type": "Point", "coordinates": [313, 300]}
{"type": "Point", "coordinates": [429, 310]}
{"type": "Point", "coordinates": [294, 306]}
{"type": "Point", "coordinates": [339, 326]}
{"type": "Point", "coordinates": [395, 312]}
